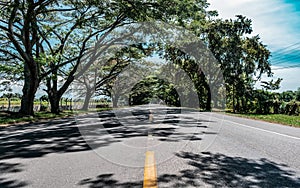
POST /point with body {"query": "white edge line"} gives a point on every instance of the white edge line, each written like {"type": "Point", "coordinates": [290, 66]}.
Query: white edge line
{"type": "Point", "coordinates": [284, 135]}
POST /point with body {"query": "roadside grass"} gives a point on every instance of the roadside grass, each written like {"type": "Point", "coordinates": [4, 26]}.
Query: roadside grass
{"type": "Point", "coordinates": [273, 118]}
{"type": "Point", "coordinates": [7, 118]}
{"type": "Point", "coordinates": [4, 102]}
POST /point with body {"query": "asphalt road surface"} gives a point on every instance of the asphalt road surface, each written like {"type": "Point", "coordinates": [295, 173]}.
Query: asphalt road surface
{"type": "Point", "coordinates": [150, 146]}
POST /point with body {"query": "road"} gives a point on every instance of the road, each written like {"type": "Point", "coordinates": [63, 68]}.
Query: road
{"type": "Point", "coordinates": [168, 147]}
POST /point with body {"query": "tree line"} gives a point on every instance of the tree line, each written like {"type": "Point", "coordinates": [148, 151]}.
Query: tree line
{"type": "Point", "coordinates": [43, 42]}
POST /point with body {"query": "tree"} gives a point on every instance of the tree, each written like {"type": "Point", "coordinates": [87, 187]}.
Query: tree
{"type": "Point", "coordinates": [45, 35]}
{"type": "Point", "coordinates": [269, 100]}
{"type": "Point", "coordinates": [287, 96]}
{"type": "Point", "coordinates": [194, 70]}
{"type": "Point", "coordinates": [42, 99]}
{"type": "Point", "coordinates": [298, 94]}
{"type": "Point", "coordinates": [243, 59]}
{"type": "Point", "coordinates": [271, 85]}
{"type": "Point", "coordinates": [9, 97]}
{"type": "Point", "coordinates": [107, 73]}
{"type": "Point", "coordinates": [151, 88]}
{"type": "Point", "coordinates": [93, 80]}
{"type": "Point", "coordinates": [122, 84]}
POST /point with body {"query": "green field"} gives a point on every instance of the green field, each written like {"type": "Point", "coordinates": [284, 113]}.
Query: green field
{"type": "Point", "coordinates": [273, 118]}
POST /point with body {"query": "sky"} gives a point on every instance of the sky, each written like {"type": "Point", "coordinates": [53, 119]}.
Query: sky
{"type": "Point", "coordinates": [277, 22]}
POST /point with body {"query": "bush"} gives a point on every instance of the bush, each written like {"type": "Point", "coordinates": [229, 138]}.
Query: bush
{"type": "Point", "coordinates": [292, 108]}
{"type": "Point", "coordinates": [102, 106]}
{"type": "Point", "coordinates": [43, 108]}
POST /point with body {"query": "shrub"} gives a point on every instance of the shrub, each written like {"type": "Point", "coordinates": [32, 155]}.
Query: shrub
{"type": "Point", "coordinates": [102, 106]}
{"type": "Point", "coordinates": [292, 108]}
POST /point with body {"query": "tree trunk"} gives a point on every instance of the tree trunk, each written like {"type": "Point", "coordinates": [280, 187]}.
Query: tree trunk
{"type": "Point", "coordinates": [31, 83]}
{"type": "Point", "coordinates": [87, 99]}
{"type": "Point", "coordinates": [238, 102]}
{"type": "Point", "coordinates": [115, 100]}
{"type": "Point", "coordinates": [208, 101]}
{"type": "Point", "coordinates": [53, 94]}
{"type": "Point", "coordinates": [233, 99]}
{"type": "Point", "coordinates": [243, 103]}
{"type": "Point", "coordinates": [59, 92]}
{"type": "Point", "coordinates": [8, 108]}
{"type": "Point", "coordinates": [54, 103]}
{"type": "Point", "coordinates": [61, 102]}
{"type": "Point", "coordinates": [54, 99]}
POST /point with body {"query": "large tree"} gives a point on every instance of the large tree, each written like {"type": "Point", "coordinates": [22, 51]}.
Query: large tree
{"type": "Point", "coordinates": [242, 58]}
{"type": "Point", "coordinates": [97, 79]}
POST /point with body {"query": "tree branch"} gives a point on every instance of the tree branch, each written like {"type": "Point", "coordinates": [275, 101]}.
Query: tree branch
{"type": "Point", "coordinates": [11, 54]}
{"type": "Point", "coordinates": [11, 33]}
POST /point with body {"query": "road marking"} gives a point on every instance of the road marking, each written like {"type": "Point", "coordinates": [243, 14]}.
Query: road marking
{"type": "Point", "coordinates": [150, 175]}
{"type": "Point", "coordinates": [284, 135]}
{"type": "Point", "coordinates": [150, 137]}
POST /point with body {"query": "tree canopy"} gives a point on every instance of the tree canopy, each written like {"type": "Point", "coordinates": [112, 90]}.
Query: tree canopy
{"type": "Point", "coordinates": [44, 36]}
{"type": "Point", "coordinates": [43, 42]}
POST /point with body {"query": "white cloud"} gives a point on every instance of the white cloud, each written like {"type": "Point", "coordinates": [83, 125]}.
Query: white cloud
{"type": "Point", "coordinates": [290, 78]}
{"type": "Point", "coordinates": [273, 20]}
{"type": "Point", "coordinates": [289, 82]}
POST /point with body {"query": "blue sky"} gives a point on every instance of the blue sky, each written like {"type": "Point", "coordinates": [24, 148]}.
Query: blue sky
{"type": "Point", "coordinates": [278, 24]}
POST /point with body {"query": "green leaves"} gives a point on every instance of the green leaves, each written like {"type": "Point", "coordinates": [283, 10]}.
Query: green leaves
{"type": "Point", "coordinates": [243, 59]}
{"type": "Point", "coordinates": [47, 59]}
{"type": "Point", "coordinates": [271, 85]}
{"type": "Point", "coordinates": [51, 37]}
{"type": "Point", "coordinates": [153, 88]}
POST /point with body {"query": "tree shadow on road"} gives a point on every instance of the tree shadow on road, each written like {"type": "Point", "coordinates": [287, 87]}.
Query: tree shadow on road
{"type": "Point", "coordinates": [169, 127]}
{"type": "Point", "coordinates": [107, 181]}
{"type": "Point", "coordinates": [37, 140]}
{"type": "Point", "coordinates": [9, 168]}
{"type": "Point", "coordinates": [63, 136]}
{"type": "Point", "coordinates": [219, 170]}
{"type": "Point", "coordinates": [30, 141]}
{"type": "Point", "coordinates": [213, 170]}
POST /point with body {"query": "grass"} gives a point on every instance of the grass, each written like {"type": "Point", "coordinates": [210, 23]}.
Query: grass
{"type": "Point", "coordinates": [273, 118]}
{"type": "Point", "coordinates": [7, 118]}
{"type": "Point", "coordinates": [12, 117]}
{"type": "Point", "coordinates": [4, 102]}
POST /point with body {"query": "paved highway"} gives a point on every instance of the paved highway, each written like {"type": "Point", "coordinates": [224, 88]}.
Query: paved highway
{"type": "Point", "coordinates": [150, 146]}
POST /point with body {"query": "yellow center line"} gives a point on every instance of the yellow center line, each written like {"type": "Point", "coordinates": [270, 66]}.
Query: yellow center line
{"type": "Point", "coordinates": [150, 174]}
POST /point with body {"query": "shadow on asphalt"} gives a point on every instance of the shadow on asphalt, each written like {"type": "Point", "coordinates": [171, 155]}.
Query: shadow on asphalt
{"type": "Point", "coordinates": [219, 170]}
{"type": "Point", "coordinates": [63, 136]}
{"type": "Point", "coordinates": [215, 170]}
{"type": "Point", "coordinates": [33, 141]}
{"type": "Point", "coordinates": [120, 130]}
{"type": "Point", "coordinates": [36, 140]}
{"type": "Point", "coordinates": [107, 180]}
{"type": "Point", "coordinates": [9, 168]}
{"type": "Point", "coordinates": [54, 137]}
